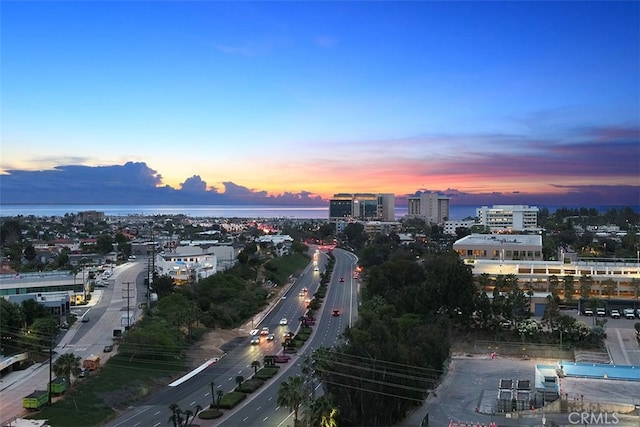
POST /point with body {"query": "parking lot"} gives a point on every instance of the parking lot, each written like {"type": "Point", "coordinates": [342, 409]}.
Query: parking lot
{"type": "Point", "coordinates": [468, 393]}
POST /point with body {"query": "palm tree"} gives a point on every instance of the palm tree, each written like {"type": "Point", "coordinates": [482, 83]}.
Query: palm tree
{"type": "Point", "coordinates": [213, 395]}
{"type": "Point", "coordinates": [176, 415]}
{"type": "Point", "coordinates": [239, 380]}
{"type": "Point", "coordinates": [292, 395]}
{"type": "Point", "coordinates": [553, 284]}
{"type": "Point", "coordinates": [219, 398]}
{"type": "Point", "coordinates": [586, 282]}
{"type": "Point", "coordinates": [567, 288]}
{"type": "Point", "coordinates": [610, 287]}
{"type": "Point", "coordinates": [255, 365]}
{"type": "Point", "coordinates": [635, 285]}
{"type": "Point", "coordinates": [66, 365]}
{"type": "Point", "coordinates": [321, 413]}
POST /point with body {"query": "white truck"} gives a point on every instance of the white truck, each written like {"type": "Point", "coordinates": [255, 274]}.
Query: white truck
{"type": "Point", "coordinates": [127, 321]}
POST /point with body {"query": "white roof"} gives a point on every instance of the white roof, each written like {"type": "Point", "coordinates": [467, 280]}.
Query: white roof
{"type": "Point", "coordinates": [501, 239]}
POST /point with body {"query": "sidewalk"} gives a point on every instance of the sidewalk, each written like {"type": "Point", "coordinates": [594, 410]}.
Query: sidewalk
{"type": "Point", "coordinates": [17, 384]}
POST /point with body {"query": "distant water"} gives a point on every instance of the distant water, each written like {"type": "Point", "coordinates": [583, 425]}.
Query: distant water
{"type": "Point", "coordinates": [220, 211]}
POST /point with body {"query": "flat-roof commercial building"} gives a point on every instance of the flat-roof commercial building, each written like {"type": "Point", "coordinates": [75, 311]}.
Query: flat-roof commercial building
{"type": "Point", "coordinates": [508, 217]}
{"type": "Point", "coordinates": [615, 280]}
{"type": "Point", "coordinates": [433, 208]}
{"type": "Point", "coordinates": [362, 207]}
{"type": "Point", "coordinates": [500, 247]}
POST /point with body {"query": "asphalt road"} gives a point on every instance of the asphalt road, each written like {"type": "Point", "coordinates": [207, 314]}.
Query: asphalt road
{"type": "Point", "coordinates": [257, 409]}
{"type": "Point", "coordinates": [82, 339]}
{"type": "Point", "coordinates": [262, 408]}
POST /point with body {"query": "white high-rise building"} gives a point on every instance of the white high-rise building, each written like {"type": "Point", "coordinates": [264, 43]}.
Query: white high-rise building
{"type": "Point", "coordinates": [508, 217]}
{"type": "Point", "coordinates": [433, 208]}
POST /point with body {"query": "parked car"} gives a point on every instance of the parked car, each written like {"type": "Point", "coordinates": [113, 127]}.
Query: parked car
{"type": "Point", "coordinates": [588, 312]}
{"type": "Point", "coordinates": [601, 312]}
{"type": "Point", "coordinates": [615, 313]}
{"type": "Point", "coordinates": [107, 348]}
{"type": "Point", "coordinates": [506, 324]}
{"type": "Point", "coordinates": [628, 313]}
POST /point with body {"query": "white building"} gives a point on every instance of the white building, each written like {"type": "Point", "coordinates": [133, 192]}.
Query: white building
{"type": "Point", "coordinates": [500, 247]}
{"type": "Point", "coordinates": [187, 264]}
{"type": "Point", "coordinates": [508, 217]}
{"type": "Point", "coordinates": [433, 208]}
{"type": "Point", "coordinates": [451, 226]}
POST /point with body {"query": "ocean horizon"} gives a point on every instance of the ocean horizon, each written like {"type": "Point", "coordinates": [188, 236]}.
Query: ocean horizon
{"type": "Point", "coordinates": [457, 212]}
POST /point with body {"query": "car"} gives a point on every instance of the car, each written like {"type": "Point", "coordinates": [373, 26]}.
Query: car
{"type": "Point", "coordinates": [316, 269]}
{"type": "Point", "coordinates": [342, 279]}
{"type": "Point", "coordinates": [271, 337]}
{"type": "Point", "coordinates": [284, 321]}
{"type": "Point", "coordinates": [638, 312]}
{"type": "Point", "coordinates": [505, 324]}
{"type": "Point", "coordinates": [305, 290]}
{"type": "Point", "coordinates": [255, 339]}
{"type": "Point", "coordinates": [615, 313]}
{"type": "Point", "coordinates": [83, 372]}
{"type": "Point", "coordinates": [601, 312]}
{"type": "Point", "coordinates": [264, 331]}
{"type": "Point", "coordinates": [281, 358]}
{"type": "Point", "coordinates": [288, 335]}
{"type": "Point", "coordinates": [336, 312]}
{"type": "Point", "coordinates": [301, 294]}
{"type": "Point", "coordinates": [588, 312]}
{"type": "Point", "coordinates": [107, 348]}
{"type": "Point", "coordinates": [628, 313]}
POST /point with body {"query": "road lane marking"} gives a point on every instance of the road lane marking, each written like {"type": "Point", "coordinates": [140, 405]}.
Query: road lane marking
{"type": "Point", "coordinates": [624, 350]}
{"type": "Point", "coordinates": [156, 424]}
{"type": "Point", "coordinates": [192, 403]}
{"type": "Point", "coordinates": [157, 413]}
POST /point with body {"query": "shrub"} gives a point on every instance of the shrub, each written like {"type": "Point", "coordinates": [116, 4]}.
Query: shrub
{"type": "Point", "coordinates": [249, 386]}
{"type": "Point", "coordinates": [266, 373]}
{"type": "Point", "coordinates": [209, 414]}
{"type": "Point", "coordinates": [231, 399]}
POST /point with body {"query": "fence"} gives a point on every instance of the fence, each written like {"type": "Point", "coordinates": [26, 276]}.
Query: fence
{"type": "Point", "coordinates": [514, 349]}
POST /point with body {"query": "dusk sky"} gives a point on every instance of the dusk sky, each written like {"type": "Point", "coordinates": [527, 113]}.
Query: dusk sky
{"type": "Point", "coordinates": [481, 97]}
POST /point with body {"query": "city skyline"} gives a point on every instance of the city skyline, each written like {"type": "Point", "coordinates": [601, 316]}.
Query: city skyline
{"type": "Point", "coordinates": [292, 102]}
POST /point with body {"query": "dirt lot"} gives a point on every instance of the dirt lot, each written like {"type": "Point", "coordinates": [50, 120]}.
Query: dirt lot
{"type": "Point", "coordinates": [210, 345]}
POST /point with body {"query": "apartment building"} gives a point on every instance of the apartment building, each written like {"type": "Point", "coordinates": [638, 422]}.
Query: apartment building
{"type": "Point", "coordinates": [508, 217]}
{"type": "Point", "coordinates": [451, 226]}
{"type": "Point", "coordinates": [433, 208]}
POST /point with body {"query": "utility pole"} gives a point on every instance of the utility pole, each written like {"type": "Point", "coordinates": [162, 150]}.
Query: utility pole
{"type": "Point", "coordinates": [50, 368]}
{"type": "Point", "coordinates": [152, 267]}
{"type": "Point", "coordinates": [128, 284]}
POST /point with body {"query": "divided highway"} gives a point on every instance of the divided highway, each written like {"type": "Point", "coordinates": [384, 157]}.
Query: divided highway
{"type": "Point", "coordinates": [260, 407]}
